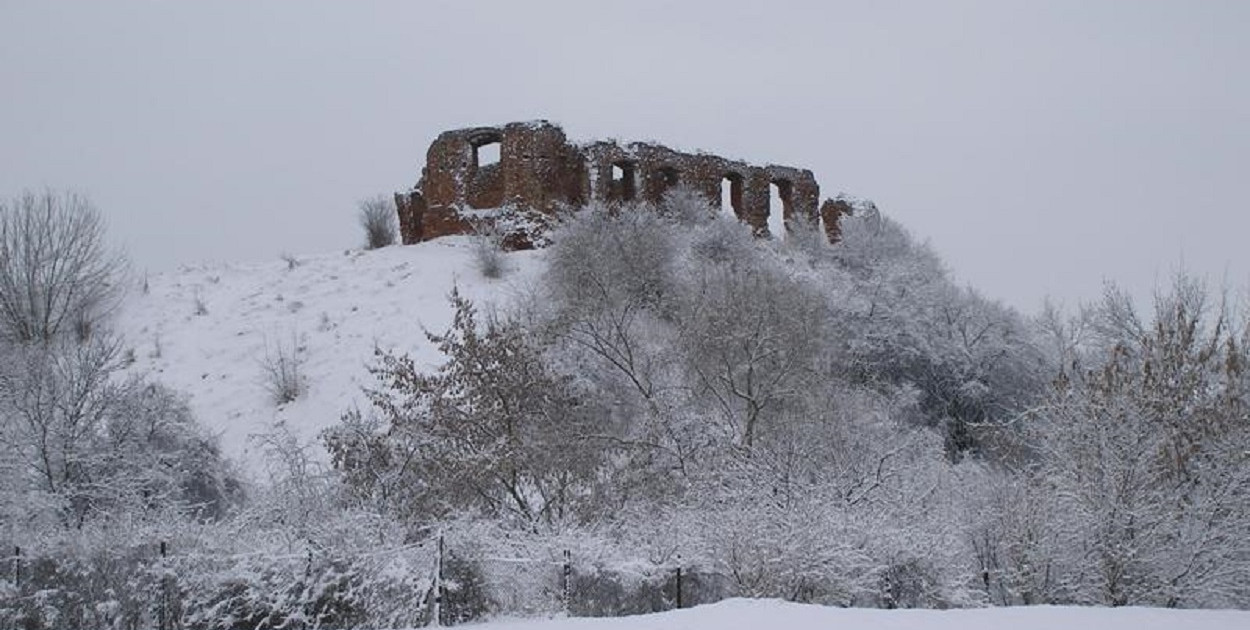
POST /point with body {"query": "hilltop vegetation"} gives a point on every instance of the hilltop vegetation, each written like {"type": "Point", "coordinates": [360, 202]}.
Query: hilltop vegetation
{"type": "Point", "coordinates": [838, 424]}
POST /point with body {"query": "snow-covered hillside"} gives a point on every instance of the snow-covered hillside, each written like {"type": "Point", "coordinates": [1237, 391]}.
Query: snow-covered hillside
{"type": "Point", "coordinates": [746, 614]}
{"type": "Point", "coordinates": [205, 329]}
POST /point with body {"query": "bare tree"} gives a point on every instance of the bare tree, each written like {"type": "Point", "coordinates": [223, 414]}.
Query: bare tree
{"type": "Point", "coordinates": [57, 273]}
{"type": "Point", "coordinates": [377, 217]}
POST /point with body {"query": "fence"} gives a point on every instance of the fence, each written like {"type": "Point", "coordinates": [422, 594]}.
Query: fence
{"type": "Point", "coordinates": [159, 586]}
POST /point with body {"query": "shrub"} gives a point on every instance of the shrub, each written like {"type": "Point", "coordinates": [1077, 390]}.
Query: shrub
{"type": "Point", "coordinates": [488, 241]}
{"type": "Point", "coordinates": [84, 589]}
{"type": "Point", "coordinates": [910, 583]}
{"type": "Point", "coordinates": [377, 217]}
{"type": "Point", "coordinates": [465, 597]}
{"type": "Point", "coordinates": [93, 445]}
{"type": "Point", "coordinates": [282, 370]}
{"type": "Point", "coordinates": [686, 206]}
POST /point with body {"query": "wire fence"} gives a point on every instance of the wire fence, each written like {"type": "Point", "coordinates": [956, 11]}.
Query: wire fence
{"type": "Point", "coordinates": [159, 586]}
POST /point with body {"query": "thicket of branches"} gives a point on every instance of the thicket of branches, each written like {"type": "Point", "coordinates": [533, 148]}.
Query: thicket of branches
{"type": "Point", "coordinates": [57, 273]}
{"type": "Point", "coordinates": [1140, 475]}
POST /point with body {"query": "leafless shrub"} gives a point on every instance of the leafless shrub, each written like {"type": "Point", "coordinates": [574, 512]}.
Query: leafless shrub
{"type": "Point", "coordinates": [282, 369]}
{"type": "Point", "coordinates": [805, 236]}
{"type": "Point", "coordinates": [488, 250]}
{"type": "Point", "coordinates": [687, 206]}
{"type": "Point", "coordinates": [57, 274]}
{"type": "Point", "coordinates": [291, 261]}
{"type": "Point", "coordinates": [377, 217]}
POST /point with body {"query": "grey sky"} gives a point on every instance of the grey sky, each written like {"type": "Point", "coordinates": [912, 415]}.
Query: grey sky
{"type": "Point", "coordinates": [1040, 146]}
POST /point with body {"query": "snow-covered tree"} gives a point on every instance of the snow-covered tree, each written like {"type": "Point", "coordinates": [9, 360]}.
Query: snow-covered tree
{"type": "Point", "coordinates": [902, 320]}
{"type": "Point", "coordinates": [1142, 451]}
{"type": "Point", "coordinates": [87, 443]}
{"type": "Point", "coordinates": [492, 428]}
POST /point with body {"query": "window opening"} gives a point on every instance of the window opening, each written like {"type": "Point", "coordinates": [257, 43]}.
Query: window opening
{"type": "Point", "coordinates": [731, 195]}
{"type": "Point", "coordinates": [623, 180]}
{"type": "Point", "coordinates": [778, 207]}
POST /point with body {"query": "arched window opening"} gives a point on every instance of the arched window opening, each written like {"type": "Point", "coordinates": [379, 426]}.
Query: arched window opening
{"type": "Point", "coordinates": [731, 195]}
{"type": "Point", "coordinates": [779, 195]}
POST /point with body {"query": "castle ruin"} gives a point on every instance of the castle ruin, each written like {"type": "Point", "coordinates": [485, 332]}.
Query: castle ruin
{"type": "Point", "coordinates": [539, 170]}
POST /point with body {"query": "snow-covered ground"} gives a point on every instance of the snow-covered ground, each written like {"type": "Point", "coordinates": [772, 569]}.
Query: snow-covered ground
{"type": "Point", "coordinates": [745, 614]}
{"type": "Point", "coordinates": [205, 329]}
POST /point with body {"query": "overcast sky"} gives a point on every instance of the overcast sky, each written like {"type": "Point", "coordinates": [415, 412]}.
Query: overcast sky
{"type": "Point", "coordinates": [1041, 147]}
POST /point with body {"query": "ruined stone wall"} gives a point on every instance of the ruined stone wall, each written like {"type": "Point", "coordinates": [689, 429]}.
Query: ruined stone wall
{"type": "Point", "coordinates": [540, 171]}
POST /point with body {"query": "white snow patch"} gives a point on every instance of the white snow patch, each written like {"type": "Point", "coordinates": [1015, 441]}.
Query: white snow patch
{"type": "Point", "coordinates": [747, 614]}
{"type": "Point", "coordinates": [337, 306]}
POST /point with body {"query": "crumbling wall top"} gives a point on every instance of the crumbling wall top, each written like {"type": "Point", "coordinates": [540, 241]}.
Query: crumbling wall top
{"type": "Point", "coordinates": [536, 169]}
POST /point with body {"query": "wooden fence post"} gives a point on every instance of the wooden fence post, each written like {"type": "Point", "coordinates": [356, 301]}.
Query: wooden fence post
{"type": "Point", "coordinates": [568, 579]}
{"type": "Point", "coordinates": [163, 610]}
{"type": "Point", "coordinates": [679, 586]}
{"type": "Point", "coordinates": [438, 584]}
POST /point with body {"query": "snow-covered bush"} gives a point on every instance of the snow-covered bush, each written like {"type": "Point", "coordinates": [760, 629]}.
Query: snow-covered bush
{"type": "Point", "coordinates": [606, 254]}
{"type": "Point", "coordinates": [902, 320]}
{"type": "Point", "coordinates": [218, 577]}
{"type": "Point", "coordinates": [84, 588]}
{"type": "Point", "coordinates": [686, 206]}
{"type": "Point", "coordinates": [91, 444]}
{"type": "Point", "coordinates": [1142, 454]}
{"type": "Point", "coordinates": [492, 429]}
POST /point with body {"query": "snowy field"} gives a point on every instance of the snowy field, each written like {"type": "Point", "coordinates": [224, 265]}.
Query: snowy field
{"type": "Point", "coordinates": [745, 614]}
{"type": "Point", "coordinates": [205, 330]}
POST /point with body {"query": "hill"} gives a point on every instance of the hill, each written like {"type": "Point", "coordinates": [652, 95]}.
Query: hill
{"type": "Point", "coordinates": [205, 329]}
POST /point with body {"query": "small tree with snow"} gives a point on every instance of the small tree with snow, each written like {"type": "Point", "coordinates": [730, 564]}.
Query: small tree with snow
{"type": "Point", "coordinates": [492, 428]}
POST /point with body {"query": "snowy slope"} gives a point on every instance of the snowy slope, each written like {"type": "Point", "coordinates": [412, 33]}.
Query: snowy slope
{"type": "Point", "coordinates": [337, 306]}
{"type": "Point", "coordinates": [745, 614]}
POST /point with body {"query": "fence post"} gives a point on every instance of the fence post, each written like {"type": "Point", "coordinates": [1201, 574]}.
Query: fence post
{"type": "Point", "coordinates": [438, 584]}
{"type": "Point", "coordinates": [163, 610]}
{"type": "Point", "coordinates": [679, 586]}
{"type": "Point", "coordinates": [17, 566]}
{"type": "Point", "coordinates": [568, 575]}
